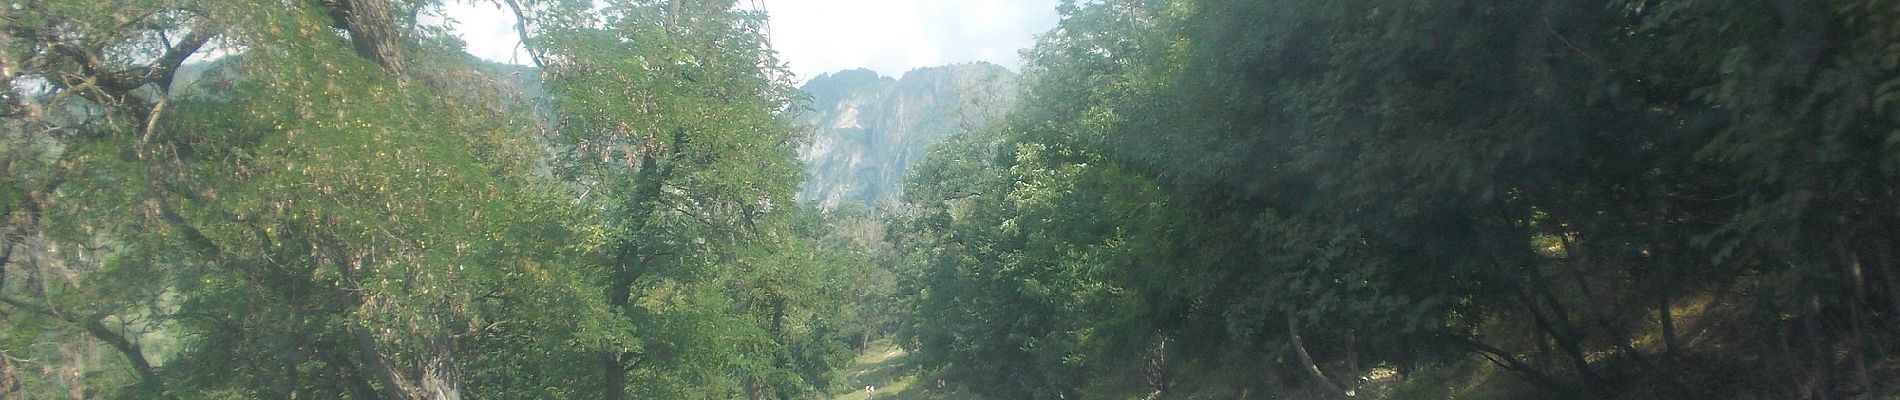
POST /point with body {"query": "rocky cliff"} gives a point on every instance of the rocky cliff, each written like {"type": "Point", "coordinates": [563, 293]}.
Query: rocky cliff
{"type": "Point", "coordinates": [866, 129]}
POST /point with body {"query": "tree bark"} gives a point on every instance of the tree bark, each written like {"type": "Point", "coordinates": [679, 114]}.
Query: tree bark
{"type": "Point", "coordinates": [1668, 322]}
{"type": "Point", "coordinates": [365, 340]}
{"type": "Point", "coordinates": [1883, 256]}
{"type": "Point", "coordinates": [1559, 327]}
{"type": "Point", "coordinates": [352, 378]}
{"type": "Point", "coordinates": [1612, 330]}
{"type": "Point", "coordinates": [619, 298]}
{"type": "Point", "coordinates": [1154, 367]}
{"type": "Point", "coordinates": [439, 380]}
{"type": "Point", "coordinates": [373, 31]}
{"type": "Point", "coordinates": [1306, 359]}
{"type": "Point", "coordinates": [1856, 272]}
{"type": "Point", "coordinates": [649, 178]}
{"type": "Point", "coordinates": [614, 377]}
{"type": "Point", "coordinates": [393, 387]}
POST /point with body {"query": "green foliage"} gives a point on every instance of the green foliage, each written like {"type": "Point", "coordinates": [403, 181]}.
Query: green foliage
{"type": "Point", "coordinates": [1325, 190]}
{"type": "Point", "coordinates": [346, 206]}
{"type": "Point", "coordinates": [1193, 199]}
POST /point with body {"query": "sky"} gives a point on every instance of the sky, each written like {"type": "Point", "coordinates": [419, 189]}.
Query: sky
{"type": "Point", "coordinates": [821, 36]}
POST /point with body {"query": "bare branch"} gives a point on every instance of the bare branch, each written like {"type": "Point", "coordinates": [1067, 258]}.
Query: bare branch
{"type": "Point", "coordinates": [92, 325]}
{"type": "Point", "coordinates": [521, 28]}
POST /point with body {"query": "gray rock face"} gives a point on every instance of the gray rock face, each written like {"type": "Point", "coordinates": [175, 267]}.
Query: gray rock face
{"type": "Point", "coordinates": [867, 129]}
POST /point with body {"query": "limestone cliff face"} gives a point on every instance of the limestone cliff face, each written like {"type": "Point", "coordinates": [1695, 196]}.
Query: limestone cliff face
{"type": "Point", "coordinates": [867, 129]}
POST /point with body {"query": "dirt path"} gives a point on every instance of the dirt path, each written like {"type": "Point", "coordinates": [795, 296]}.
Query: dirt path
{"type": "Point", "coordinates": [883, 366]}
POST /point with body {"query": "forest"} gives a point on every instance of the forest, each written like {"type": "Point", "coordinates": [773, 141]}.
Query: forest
{"type": "Point", "coordinates": [1188, 199]}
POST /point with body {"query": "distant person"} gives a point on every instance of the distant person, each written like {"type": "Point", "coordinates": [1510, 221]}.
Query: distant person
{"type": "Point", "coordinates": [870, 392]}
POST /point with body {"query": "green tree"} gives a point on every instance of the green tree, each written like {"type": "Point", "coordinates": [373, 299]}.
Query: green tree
{"type": "Point", "coordinates": [1326, 189]}
{"type": "Point", "coordinates": [341, 203]}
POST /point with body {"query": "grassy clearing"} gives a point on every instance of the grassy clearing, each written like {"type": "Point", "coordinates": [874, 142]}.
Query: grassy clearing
{"type": "Point", "coordinates": [885, 367]}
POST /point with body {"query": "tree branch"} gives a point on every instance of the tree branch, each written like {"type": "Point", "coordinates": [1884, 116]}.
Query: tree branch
{"type": "Point", "coordinates": [148, 377]}
{"type": "Point", "coordinates": [1507, 361]}
{"type": "Point", "coordinates": [1306, 359]}
{"type": "Point", "coordinates": [521, 28]}
{"type": "Point", "coordinates": [373, 31]}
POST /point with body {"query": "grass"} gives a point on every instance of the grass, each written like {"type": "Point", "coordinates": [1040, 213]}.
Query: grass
{"type": "Point", "coordinates": [885, 367]}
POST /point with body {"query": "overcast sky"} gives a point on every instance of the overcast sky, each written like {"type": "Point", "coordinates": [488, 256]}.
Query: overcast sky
{"type": "Point", "coordinates": [819, 36]}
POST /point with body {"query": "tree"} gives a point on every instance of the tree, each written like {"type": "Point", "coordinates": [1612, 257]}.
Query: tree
{"type": "Point", "coordinates": [339, 203]}
{"type": "Point", "coordinates": [1326, 189]}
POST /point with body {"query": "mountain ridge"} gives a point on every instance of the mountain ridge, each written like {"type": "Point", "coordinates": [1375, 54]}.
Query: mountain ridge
{"type": "Point", "coordinates": [866, 128]}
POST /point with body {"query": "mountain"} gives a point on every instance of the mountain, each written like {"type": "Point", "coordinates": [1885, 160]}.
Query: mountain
{"type": "Point", "coordinates": [866, 129]}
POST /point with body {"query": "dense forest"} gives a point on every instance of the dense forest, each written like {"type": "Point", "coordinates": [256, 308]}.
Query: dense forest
{"type": "Point", "coordinates": [1187, 199]}
{"type": "Point", "coordinates": [1542, 199]}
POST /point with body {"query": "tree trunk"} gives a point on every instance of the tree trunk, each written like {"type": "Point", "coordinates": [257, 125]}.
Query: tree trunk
{"type": "Point", "coordinates": [352, 378]}
{"type": "Point", "coordinates": [754, 390]}
{"type": "Point", "coordinates": [1668, 323]}
{"type": "Point", "coordinates": [1820, 356]}
{"type": "Point", "coordinates": [365, 340]}
{"type": "Point", "coordinates": [1544, 358]}
{"type": "Point", "coordinates": [778, 313]}
{"type": "Point", "coordinates": [148, 377]}
{"type": "Point", "coordinates": [613, 373]}
{"type": "Point", "coordinates": [1788, 357]}
{"type": "Point", "coordinates": [1611, 329]}
{"type": "Point", "coordinates": [649, 179]}
{"type": "Point", "coordinates": [1855, 320]}
{"type": "Point", "coordinates": [1560, 328]}
{"type": "Point", "coordinates": [613, 377]}
{"type": "Point", "coordinates": [1155, 367]}
{"type": "Point", "coordinates": [373, 32]}
{"type": "Point", "coordinates": [527, 40]}
{"type": "Point", "coordinates": [1510, 362]}
{"type": "Point", "coordinates": [672, 13]}
{"type": "Point", "coordinates": [1883, 256]}
{"type": "Point", "coordinates": [439, 380]}
{"type": "Point", "coordinates": [1306, 359]}
{"type": "Point", "coordinates": [393, 388]}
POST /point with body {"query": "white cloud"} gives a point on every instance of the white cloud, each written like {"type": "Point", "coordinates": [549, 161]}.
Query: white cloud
{"type": "Point", "coordinates": [488, 29]}
{"type": "Point", "coordinates": [819, 36]}
{"type": "Point", "coordinates": [894, 36]}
